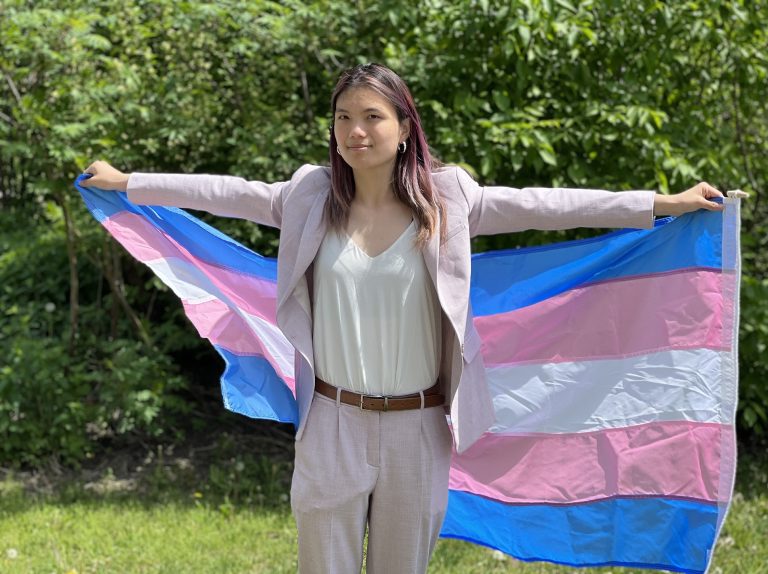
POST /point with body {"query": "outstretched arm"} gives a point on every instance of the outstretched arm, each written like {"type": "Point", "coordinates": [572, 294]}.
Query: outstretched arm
{"type": "Point", "coordinates": [223, 195]}
{"type": "Point", "coordinates": [497, 209]}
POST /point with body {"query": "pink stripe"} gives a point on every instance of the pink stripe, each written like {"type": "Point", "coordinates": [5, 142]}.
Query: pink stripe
{"type": "Point", "coordinates": [609, 320]}
{"type": "Point", "coordinates": [148, 243]}
{"type": "Point", "coordinates": [218, 323]}
{"type": "Point", "coordinates": [679, 459]}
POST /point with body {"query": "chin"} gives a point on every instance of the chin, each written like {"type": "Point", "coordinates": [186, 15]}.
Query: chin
{"type": "Point", "coordinates": [365, 161]}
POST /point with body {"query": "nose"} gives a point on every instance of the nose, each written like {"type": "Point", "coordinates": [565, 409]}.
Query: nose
{"type": "Point", "coordinates": [357, 131]}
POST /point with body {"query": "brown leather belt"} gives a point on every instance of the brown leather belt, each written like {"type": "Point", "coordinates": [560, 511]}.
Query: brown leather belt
{"type": "Point", "coordinates": [432, 398]}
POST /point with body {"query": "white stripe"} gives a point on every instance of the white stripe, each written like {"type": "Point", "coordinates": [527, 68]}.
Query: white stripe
{"type": "Point", "coordinates": [193, 287]}
{"type": "Point", "coordinates": [185, 280]}
{"type": "Point", "coordinates": [279, 349]}
{"type": "Point", "coordinates": [592, 395]}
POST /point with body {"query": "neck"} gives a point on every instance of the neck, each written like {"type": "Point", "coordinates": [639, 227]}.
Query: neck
{"type": "Point", "coordinates": [373, 187]}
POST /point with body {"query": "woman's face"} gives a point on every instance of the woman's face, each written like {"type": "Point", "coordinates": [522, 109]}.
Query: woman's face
{"type": "Point", "coordinates": [367, 129]}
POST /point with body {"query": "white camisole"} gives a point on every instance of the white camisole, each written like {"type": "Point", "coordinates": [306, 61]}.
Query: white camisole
{"type": "Point", "coordinates": [375, 319]}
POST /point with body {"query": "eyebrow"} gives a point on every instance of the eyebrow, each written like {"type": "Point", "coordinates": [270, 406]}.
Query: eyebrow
{"type": "Point", "coordinates": [365, 110]}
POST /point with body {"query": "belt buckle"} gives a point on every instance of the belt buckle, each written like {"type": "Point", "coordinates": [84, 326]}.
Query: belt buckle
{"type": "Point", "coordinates": [385, 397]}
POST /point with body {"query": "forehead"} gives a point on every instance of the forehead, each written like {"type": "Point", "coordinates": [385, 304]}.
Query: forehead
{"type": "Point", "coordinates": [361, 98]}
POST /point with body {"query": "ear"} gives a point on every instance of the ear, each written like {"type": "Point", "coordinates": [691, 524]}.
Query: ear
{"type": "Point", "coordinates": [405, 129]}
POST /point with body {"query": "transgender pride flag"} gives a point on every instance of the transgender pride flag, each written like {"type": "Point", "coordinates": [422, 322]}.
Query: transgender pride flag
{"type": "Point", "coordinates": [613, 370]}
{"type": "Point", "coordinates": [611, 361]}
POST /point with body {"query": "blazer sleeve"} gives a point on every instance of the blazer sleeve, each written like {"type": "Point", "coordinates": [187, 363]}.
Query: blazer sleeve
{"type": "Point", "coordinates": [224, 195]}
{"type": "Point", "coordinates": [496, 209]}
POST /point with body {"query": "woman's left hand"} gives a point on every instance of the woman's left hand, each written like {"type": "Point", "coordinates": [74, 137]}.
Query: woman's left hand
{"type": "Point", "coordinates": [690, 200]}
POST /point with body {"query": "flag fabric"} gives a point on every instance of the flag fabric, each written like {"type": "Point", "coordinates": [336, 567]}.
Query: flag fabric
{"type": "Point", "coordinates": [613, 370]}
{"type": "Point", "coordinates": [612, 363]}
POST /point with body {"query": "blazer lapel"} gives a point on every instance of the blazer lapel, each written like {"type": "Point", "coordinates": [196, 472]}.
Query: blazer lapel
{"type": "Point", "coordinates": [431, 254]}
{"type": "Point", "coordinates": [312, 235]}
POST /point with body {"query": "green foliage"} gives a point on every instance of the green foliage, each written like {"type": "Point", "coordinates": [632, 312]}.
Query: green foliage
{"type": "Point", "coordinates": [753, 343]}
{"type": "Point", "coordinates": [63, 403]}
{"type": "Point", "coordinates": [603, 94]}
{"type": "Point", "coordinates": [53, 404]}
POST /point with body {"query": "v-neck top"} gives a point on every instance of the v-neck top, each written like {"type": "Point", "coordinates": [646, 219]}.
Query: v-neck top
{"type": "Point", "coordinates": [375, 319]}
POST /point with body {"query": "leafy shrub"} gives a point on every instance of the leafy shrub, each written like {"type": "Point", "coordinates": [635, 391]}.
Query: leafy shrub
{"type": "Point", "coordinates": [55, 404]}
{"type": "Point", "coordinates": [753, 358]}
{"type": "Point", "coordinates": [60, 401]}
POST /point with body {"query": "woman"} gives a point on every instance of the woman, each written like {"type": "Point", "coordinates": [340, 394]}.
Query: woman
{"type": "Point", "coordinates": [373, 292]}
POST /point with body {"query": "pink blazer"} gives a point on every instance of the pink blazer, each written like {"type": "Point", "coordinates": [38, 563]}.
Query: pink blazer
{"type": "Point", "coordinates": [296, 207]}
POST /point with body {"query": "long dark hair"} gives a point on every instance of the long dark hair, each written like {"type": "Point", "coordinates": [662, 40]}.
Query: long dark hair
{"type": "Point", "coordinates": [412, 177]}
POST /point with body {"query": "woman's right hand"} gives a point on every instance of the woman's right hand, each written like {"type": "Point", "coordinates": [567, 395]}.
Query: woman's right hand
{"type": "Point", "coordinates": [105, 177]}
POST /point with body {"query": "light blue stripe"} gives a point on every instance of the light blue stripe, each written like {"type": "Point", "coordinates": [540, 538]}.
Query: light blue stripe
{"type": "Point", "coordinates": [507, 280]}
{"type": "Point", "coordinates": [251, 387]}
{"type": "Point", "coordinates": [657, 533]}
{"type": "Point", "coordinates": [196, 236]}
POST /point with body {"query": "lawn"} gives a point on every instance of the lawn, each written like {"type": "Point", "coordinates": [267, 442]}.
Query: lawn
{"type": "Point", "coordinates": [229, 513]}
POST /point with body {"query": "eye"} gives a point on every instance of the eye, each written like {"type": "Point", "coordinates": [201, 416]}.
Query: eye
{"type": "Point", "coordinates": [341, 117]}
{"type": "Point", "coordinates": [374, 116]}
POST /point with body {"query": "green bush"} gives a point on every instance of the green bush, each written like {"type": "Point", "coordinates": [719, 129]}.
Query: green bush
{"type": "Point", "coordinates": [55, 404]}
{"type": "Point", "coordinates": [753, 356]}
{"type": "Point", "coordinates": [63, 400]}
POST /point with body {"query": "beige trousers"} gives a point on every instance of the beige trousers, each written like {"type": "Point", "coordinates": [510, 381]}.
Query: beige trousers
{"type": "Point", "coordinates": [386, 469]}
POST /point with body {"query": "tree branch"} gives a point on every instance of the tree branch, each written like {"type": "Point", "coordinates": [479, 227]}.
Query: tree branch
{"type": "Point", "coordinates": [305, 92]}
{"type": "Point", "coordinates": [742, 145]}
{"type": "Point", "coordinates": [115, 282]}
{"type": "Point", "coordinates": [108, 271]}
{"type": "Point", "coordinates": [12, 86]}
{"type": "Point", "coordinates": [7, 119]}
{"type": "Point", "coordinates": [74, 283]}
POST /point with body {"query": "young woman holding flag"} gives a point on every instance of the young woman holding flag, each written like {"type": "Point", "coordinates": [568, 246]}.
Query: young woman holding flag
{"type": "Point", "coordinates": [373, 293]}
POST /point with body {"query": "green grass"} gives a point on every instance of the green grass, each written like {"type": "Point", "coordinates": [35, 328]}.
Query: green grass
{"type": "Point", "coordinates": [176, 519]}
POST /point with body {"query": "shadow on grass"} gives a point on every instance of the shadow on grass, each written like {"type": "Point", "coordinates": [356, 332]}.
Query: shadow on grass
{"type": "Point", "coordinates": [227, 471]}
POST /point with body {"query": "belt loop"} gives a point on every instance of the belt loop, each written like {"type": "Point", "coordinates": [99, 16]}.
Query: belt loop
{"type": "Point", "coordinates": [421, 396]}
{"type": "Point", "coordinates": [338, 397]}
